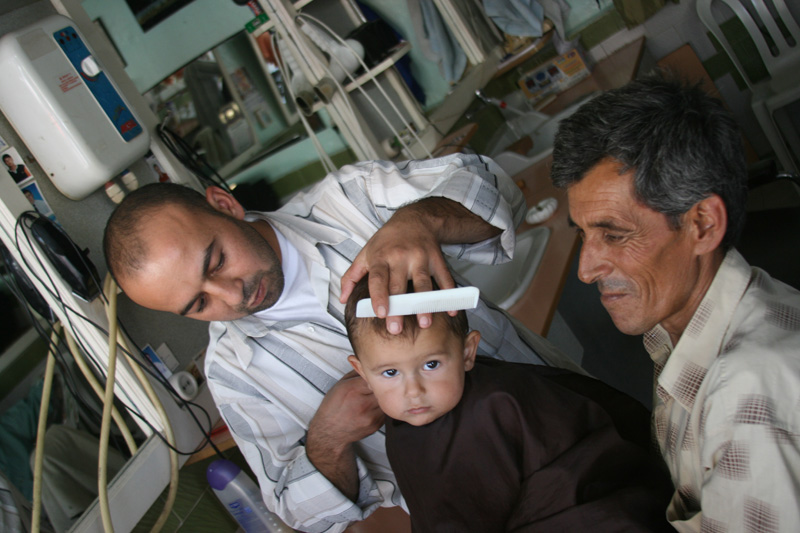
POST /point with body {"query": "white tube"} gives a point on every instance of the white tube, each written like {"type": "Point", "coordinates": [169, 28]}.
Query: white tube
{"type": "Point", "coordinates": [38, 458]}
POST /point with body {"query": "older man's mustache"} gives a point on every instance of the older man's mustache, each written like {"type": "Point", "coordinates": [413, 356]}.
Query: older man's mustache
{"type": "Point", "coordinates": [615, 286]}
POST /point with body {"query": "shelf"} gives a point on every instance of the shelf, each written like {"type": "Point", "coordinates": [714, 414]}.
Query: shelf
{"type": "Point", "coordinates": [402, 49]}
{"type": "Point", "coordinates": [518, 58]}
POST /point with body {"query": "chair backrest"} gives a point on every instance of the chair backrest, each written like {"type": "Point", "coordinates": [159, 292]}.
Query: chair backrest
{"type": "Point", "coordinates": [782, 60]}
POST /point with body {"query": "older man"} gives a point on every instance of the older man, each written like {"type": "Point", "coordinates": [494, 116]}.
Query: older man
{"type": "Point", "coordinates": [656, 182]}
{"type": "Point", "coordinates": [269, 283]}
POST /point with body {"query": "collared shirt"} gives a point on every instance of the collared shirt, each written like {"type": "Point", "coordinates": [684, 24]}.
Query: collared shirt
{"type": "Point", "coordinates": [268, 377]}
{"type": "Point", "coordinates": [727, 405]}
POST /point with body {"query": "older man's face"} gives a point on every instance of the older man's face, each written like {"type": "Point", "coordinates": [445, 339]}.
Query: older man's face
{"type": "Point", "coordinates": [645, 271]}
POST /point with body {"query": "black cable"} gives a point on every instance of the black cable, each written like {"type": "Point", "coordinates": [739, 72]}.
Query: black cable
{"type": "Point", "coordinates": [190, 158]}
{"type": "Point", "coordinates": [32, 215]}
{"type": "Point", "coordinates": [55, 348]}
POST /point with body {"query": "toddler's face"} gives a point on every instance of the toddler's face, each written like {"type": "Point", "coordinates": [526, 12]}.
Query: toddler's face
{"type": "Point", "coordinates": [416, 380]}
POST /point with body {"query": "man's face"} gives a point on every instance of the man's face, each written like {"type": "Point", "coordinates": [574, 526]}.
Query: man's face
{"type": "Point", "coordinates": [646, 272]}
{"type": "Point", "coordinates": [9, 162]}
{"type": "Point", "coordinates": [205, 267]}
{"type": "Point", "coordinates": [416, 380]}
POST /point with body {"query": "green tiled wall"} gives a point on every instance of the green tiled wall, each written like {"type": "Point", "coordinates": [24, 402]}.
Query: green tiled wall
{"type": "Point", "coordinates": [600, 30]}
{"type": "Point", "coordinates": [309, 174]}
{"type": "Point", "coordinates": [744, 48]}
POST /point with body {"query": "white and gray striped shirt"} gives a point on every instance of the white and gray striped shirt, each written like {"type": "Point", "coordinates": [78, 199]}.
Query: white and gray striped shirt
{"type": "Point", "coordinates": [268, 377]}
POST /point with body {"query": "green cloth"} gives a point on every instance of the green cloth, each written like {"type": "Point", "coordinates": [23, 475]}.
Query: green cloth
{"type": "Point", "coordinates": [635, 12]}
{"type": "Point", "coordinates": [18, 438]}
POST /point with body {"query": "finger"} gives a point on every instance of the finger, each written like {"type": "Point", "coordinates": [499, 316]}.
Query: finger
{"type": "Point", "coordinates": [394, 324]}
{"type": "Point", "coordinates": [353, 274]}
{"type": "Point", "coordinates": [398, 284]}
{"type": "Point", "coordinates": [379, 289]}
{"type": "Point", "coordinates": [441, 273]}
{"type": "Point", "coordinates": [423, 283]}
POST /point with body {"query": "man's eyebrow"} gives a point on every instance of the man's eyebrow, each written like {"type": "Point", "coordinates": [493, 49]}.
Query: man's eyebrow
{"type": "Point", "coordinates": [206, 264]}
{"type": "Point", "coordinates": [607, 224]}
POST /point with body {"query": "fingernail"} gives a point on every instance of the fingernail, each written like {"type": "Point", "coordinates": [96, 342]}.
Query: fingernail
{"type": "Point", "coordinates": [394, 328]}
{"type": "Point", "coordinates": [424, 322]}
{"type": "Point", "coordinates": [381, 311]}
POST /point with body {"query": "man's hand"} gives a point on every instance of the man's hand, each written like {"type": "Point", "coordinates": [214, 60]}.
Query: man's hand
{"type": "Point", "coordinates": [348, 413]}
{"type": "Point", "coordinates": [408, 247]}
{"type": "Point", "coordinates": [404, 249]}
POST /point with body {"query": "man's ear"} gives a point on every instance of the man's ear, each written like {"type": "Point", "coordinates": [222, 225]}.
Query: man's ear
{"type": "Point", "coordinates": [224, 202]}
{"type": "Point", "coordinates": [471, 349]}
{"type": "Point", "coordinates": [709, 222]}
{"type": "Point", "coordinates": [356, 364]}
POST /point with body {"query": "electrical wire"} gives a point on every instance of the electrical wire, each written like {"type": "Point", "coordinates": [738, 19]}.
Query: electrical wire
{"type": "Point", "coordinates": [87, 373]}
{"type": "Point", "coordinates": [108, 295]}
{"type": "Point", "coordinates": [190, 158]}
{"type": "Point", "coordinates": [67, 374]}
{"type": "Point", "coordinates": [151, 371]}
{"type": "Point", "coordinates": [360, 88]}
{"type": "Point", "coordinates": [348, 122]}
{"type": "Point", "coordinates": [51, 288]}
{"type": "Point", "coordinates": [323, 155]}
{"type": "Point", "coordinates": [108, 402]}
{"type": "Point", "coordinates": [38, 460]}
{"type": "Point", "coordinates": [115, 338]}
{"type": "Point", "coordinates": [409, 127]}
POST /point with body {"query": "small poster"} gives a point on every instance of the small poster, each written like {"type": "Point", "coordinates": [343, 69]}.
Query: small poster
{"type": "Point", "coordinates": [31, 191]}
{"type": "Point", "coordinates": [26, 182]}
{"type": "Point", "coordinates": [15, 167]}
{"type": "Point", "coordinates": [160, 175]}
{"type": "Point", "coordinates": [252, 99]}
{"type": "Point", "coordinates": [157, 361]}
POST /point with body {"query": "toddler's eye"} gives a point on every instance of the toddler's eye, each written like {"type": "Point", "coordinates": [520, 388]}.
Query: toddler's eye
{"type": "Point", "coordinates": [431, 365]}
{"type": "Point", "coordinates": [389, 373]}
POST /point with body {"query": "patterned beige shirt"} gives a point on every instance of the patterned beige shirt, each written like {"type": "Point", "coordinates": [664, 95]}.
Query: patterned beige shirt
{"type": "Point", "coordinates": [727, 405]}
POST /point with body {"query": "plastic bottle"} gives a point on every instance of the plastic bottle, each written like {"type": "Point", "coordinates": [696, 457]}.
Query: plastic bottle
{"type": "Point", "coordinates": [242, 497]}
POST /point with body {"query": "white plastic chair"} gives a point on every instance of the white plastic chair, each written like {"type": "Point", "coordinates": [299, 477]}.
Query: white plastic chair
{"type": "Point", "coordinates": [782, 62]}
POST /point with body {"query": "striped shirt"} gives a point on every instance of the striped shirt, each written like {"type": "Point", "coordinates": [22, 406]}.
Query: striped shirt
{"type": "Point", "coordinates": [268, 377]}
{"type": "Point", "coordinates": [727, 405]}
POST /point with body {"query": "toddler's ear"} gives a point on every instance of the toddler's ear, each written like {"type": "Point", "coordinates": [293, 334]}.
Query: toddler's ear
{"type": "Point", "coordinates": [471, 349]}
{"type": "Point", "coordinates": [356, 364]}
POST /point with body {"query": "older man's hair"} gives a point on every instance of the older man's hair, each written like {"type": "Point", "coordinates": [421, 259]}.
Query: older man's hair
{"type": "Point", "coordinates": [124, 245]}
{"type": "Point", "coordinates": [681, 144]}
{"type": "Point", "coordinates": [358, 327]}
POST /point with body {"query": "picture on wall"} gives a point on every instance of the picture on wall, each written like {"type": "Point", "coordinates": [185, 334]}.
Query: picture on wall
{"type": "Point", "coordinates": [14, 165]}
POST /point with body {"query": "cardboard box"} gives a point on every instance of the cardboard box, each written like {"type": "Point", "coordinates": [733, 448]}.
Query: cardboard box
{"type": "Point", "coordinates": [556, 75]}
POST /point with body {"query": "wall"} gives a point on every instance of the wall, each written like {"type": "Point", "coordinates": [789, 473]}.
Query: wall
{"type": "Point", "coordinates": [84, 222]}
{"type": "Point", "coordinates": [153, 55]}
{"type": "Point", "coordinates": [425, 71]}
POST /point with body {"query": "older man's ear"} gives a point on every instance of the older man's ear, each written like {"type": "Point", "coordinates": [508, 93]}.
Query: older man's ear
{"type": "Point", "coordinates": [224, 202]}
{"type": "Point", "coordinates": [708, 221]}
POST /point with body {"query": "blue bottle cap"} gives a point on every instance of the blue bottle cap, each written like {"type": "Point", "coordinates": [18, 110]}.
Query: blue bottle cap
{"type": "Point", "coordinates": [221, 472]}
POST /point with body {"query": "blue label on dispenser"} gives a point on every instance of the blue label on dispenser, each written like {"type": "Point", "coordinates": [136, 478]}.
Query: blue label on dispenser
{"type": "Point", "coordinates": [99, 85]}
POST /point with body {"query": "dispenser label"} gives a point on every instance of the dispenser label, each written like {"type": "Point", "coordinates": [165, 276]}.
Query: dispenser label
{"type": "Point", "coordinates": [98, 84]}
{"type": "Point", "coordinates": [68, 81]}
